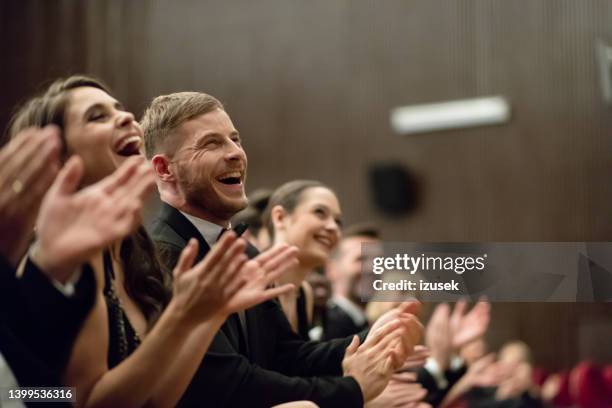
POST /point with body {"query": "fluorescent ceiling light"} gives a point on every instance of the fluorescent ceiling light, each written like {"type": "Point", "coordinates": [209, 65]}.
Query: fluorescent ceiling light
{"type": "Point", "coordinates": [450, 115]}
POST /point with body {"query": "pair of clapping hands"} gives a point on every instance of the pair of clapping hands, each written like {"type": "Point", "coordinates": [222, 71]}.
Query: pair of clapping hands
{"type": "Point", "coordinates": [393, 350]}
{"type": "Point", "coordinates": [72, 225]}
{"type": "Point", "coordinates": [390, 347]}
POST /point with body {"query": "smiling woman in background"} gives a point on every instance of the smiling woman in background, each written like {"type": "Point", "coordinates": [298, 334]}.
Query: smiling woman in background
{"type": "Point", "coordinates": [305, 214]}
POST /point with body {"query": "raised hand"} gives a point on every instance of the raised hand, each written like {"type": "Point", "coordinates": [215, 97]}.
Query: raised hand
{"type": "Point", "coordinates": [438, 336]}
{"type": "Point", "coordinates": [28, 166]}
{"type": "Point", "coordinates": [226, 281]}
{"type": "Point", "coordinates": [405, 314]}
{"type": "Point", "coordinates": [260, 273]}
{"type": "Point", "coordinates": [468, 327]}
{"type": "Point", "coordinates": [203, 290]}
{"type": "Point", "coordinates": [73, 225]}
{"type": "Point", "coordinates": [372, 364]}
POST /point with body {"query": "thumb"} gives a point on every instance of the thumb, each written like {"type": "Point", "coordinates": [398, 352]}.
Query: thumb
{"type": "Point", "coordinates": [69, 177]}
{"type": "Point", "coordinates": [352, 348]}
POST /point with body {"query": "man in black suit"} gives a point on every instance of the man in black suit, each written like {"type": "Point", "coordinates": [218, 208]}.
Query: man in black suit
{"type": "Point", "coordinates": [256, 360]}
{"type": "Point", "coordinates": [41, 312]}
{"type": "Point", "coordinates": [346, 309]}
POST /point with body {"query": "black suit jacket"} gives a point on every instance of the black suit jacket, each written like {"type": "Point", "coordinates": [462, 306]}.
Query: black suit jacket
{"type": "Point", "coordinates": [38, 324]}
{"type": "Point", "coordinates": [278, 367]}
{"type": "Point", "coordinates": [339, 324]}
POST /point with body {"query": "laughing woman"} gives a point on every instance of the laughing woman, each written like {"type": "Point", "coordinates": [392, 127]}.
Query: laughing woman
{"type": "Point", "coordinates": [139, 345]}
{"type": "Point", "coordinates": [305, 214]}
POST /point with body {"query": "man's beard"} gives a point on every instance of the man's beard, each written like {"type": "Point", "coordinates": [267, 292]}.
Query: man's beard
{"type": "Point", "coordinates": [204, 197]}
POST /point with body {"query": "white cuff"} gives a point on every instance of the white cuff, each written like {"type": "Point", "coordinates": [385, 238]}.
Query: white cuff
{"type": "Point", "coordinates": [67, 288]}
{"type": "Point", "coordinates": [456, 363]}
{"type": "Point", "coordinates": [432, 366]}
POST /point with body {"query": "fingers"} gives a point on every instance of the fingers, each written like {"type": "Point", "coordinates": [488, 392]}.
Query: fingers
{"type": "Point", "coordinates": [122, 175]}
{"type": "Point", "coordinates": [459, 309]}
{"type": "Point", "coordinates": [405, 377]}
{"type": "Point", "coordinates": [352, 347]}
{"type": "Point", "coordinates": [234, 277]}
{"type": "Point", "coordinates": [271, 254]}
{"type": "Point", "coordinates": [283, 262]}
{"type": "Point", "coordinates": [187, 257]}
{"type": "Point", "coordinates": [27, 151]}
{"type": "Point", "coordinates": [217, 251]}
{"type": "Point", "coordinates": [382, 334]}
{"type": "Point", "coordinates": [412, 307]}
{"type": "Point", "coordinates": [69, 177]}
{"type": "Point", "coordinates": [272, 293]}
{"type": "Point", "coordinates": [31, 200]}
{"type": "Point", "coordinates": [414, 330]}
{"type": "Point", "coordinates": [38, 162]}
{"type": "Point", "coordinates": [221, 272]}
{"type": "Point", "coordinates": [129, 188]}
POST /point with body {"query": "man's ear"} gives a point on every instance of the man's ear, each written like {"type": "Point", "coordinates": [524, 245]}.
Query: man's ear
{"type": "Point", "coordinates": [161, 166]}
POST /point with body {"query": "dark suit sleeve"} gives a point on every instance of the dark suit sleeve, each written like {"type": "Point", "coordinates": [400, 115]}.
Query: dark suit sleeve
{"type": "Point", "coordinates": [294, 356]}
{"type": "Point", "coordinates": [41, 317]}
{"type": "Point", "coordinates": [227, 378]}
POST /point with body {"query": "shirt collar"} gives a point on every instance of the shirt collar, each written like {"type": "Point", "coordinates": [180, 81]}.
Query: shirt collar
{"type": "Point", "coordinates": [210, 231]}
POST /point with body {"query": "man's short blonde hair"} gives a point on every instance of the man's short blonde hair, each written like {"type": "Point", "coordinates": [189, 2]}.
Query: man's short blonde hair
{"type": "Point", "coordinates": [167, 112]}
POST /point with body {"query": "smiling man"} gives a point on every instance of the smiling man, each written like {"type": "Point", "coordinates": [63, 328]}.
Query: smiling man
{"type": "Point", "coordinates": [255, 360]}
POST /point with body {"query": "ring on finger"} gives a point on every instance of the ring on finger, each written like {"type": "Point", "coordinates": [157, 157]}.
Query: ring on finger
{"type": "Point", "coordinates": [17, 186]}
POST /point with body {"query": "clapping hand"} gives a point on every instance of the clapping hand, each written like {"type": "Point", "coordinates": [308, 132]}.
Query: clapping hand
{"type": "Point", "coordinates": [73, 225]}
{"type": "Point", "coordinates": [28, 166]}
{"type": "Point", "coordinates": [467, 327]}
{"type": "Point", "coordinates": [226, 281]}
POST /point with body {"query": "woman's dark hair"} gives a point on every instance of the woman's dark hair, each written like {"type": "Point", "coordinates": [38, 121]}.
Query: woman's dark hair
{"type": "Point", "coordinates": [287, 196]}
{"type": "Point", "coordinates": [145, 282]}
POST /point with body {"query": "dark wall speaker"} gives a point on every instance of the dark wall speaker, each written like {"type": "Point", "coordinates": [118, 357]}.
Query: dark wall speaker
{"type": "Point", "coordinates": [394, 188]}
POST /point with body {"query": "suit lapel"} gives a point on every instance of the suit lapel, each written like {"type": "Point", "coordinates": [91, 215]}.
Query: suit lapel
{"type": "Point", "coordinates": [186, 230]}
{"type": "Point", "coordinates": [183, 227]}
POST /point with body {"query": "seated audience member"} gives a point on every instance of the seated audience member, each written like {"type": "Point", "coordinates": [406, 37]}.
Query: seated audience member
{"type": "Point", "coordinates": [345, 310]}
{"type": "Point", "coordinates": [54, 295]}
{"type": "Point", "coordinates": [136, 347]}
{"type": "Point", "coordinates": [256, 359]}
{"type": "Point", "coordinates": [305, 214]}
{"type": "Point", "coordinates": [321, 293]}
{"type": "Point", "coordinates": [256, 232]}
{"type": "Point", "coordinates": [505, 382]}
{"type": "Point", "coordinates": [43, 310]}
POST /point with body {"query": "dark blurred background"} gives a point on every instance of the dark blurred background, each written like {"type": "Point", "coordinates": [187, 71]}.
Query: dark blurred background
{"type": "Point", "coordinates": [310, 85]}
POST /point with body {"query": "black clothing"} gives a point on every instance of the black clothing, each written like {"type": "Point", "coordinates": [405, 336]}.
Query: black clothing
{"type": "Point", "coordinates": [278, 367]}
{"type": "Point", "coordinates": [338, 323]}
{"type": "Point", "coordinates": [38, 324]}
{"type": "Point", "coordinates": [122, 338]}
{"type": "Point", "coordinates": [302, 315]}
